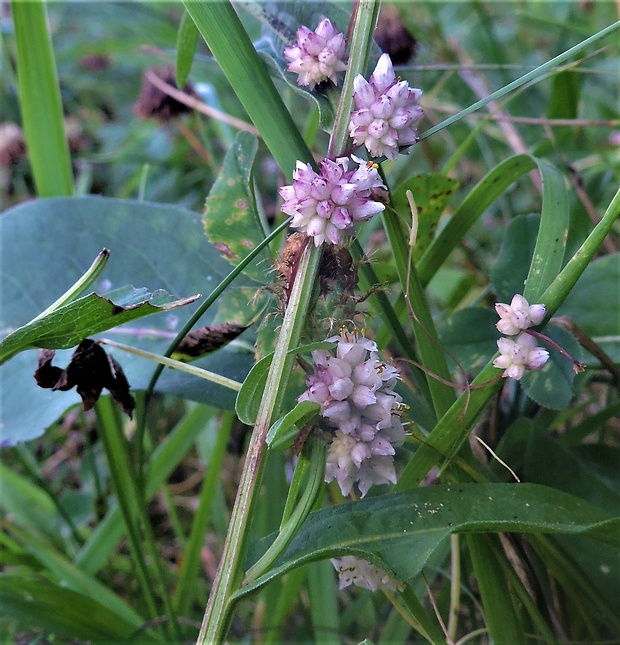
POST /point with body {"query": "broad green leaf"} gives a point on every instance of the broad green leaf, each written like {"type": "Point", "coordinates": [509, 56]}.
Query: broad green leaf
{"type": "Point", "coordinates": [431, 194]}
{"type": "Point", "coordinates": [283, 431]}
{"type": "Point", "coordinates": [509, 271]}
{"type": "Point", "coordinates": [594, 304]}
{"type": "Point", "coordinates": [552, 386]}
{"type": "Point", "coordinates": [230, 217]}
{"type": "Point", "coordinates": [37, 603]}
{"type": "Point", "coordinates": [66, 326]}
{"type": "Point", "coordinates": [399, 531]}
{"type": "Point", "coordinates": [47, 244]}
{"type": "Point", "coordinates": [588, 472]}
{"type": "Point", "coordinates": [471, 337]}
{"type": "Point", "coordinates": [584, 471]}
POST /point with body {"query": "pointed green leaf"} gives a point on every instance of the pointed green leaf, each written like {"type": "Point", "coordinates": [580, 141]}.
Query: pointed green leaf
{"type": "Point", "coordinates": [66, 326]}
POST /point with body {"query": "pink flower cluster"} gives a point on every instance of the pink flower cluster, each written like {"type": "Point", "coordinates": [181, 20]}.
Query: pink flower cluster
{"type": "Point", "coordinates": [326, 205]}
{"type": "Point", "coordinates": [318, 55]}
{"type": "Point", "coordinates": [355, 392]}
{"type": "Point", "coordinates": [386, 111]}
{"type": "Point", "coordinates": [521, 353]}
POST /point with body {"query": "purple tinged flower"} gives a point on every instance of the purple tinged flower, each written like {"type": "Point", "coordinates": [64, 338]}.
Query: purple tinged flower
{"type": "Point", "coordinates": [518, 315]}
{"type": "Point", "coordinates": [519, 355]}
{"type": "Point", "coordinates": [318, 55]}
{"type": "Point", "coordinates": [326, 206]}
{"type": "Point", "coordinates": [386, 111]}
{"type": "Point", "coordinates": [354, 390]}
{"type": "Point", "coordinates": [357, 571]}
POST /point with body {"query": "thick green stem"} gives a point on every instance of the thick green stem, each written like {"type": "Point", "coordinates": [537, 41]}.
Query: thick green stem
{"type": "Point", "coordinates": [229, 576]}
{"type": "Point", "coordinates": [219, 608]}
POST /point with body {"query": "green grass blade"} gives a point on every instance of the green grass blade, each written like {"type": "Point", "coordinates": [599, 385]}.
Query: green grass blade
{"type": "Point", "coordinates": [40, 102]}
{"type": "Point", "coordinates": [191, 557]}
{"type": "Point", "coordinates": [228, 41]}
{"type": "Point", "coordinates": [530, 77]}
{"type": "Point", "coordinates": [95, 553]}
{"type": "Point", "coordinates": [427, 342]}
{"type": "Point", "coordinates": [551, 239]}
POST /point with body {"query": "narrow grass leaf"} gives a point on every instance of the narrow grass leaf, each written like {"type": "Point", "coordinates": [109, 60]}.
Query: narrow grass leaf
{"type": "Point", "coordinates": [40, 103]}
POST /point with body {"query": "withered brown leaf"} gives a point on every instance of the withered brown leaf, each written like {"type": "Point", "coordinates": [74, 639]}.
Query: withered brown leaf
{"type": "Point", "coordinates": [89, 371]}
{"type": "Point", "coordinates": [207, 339]}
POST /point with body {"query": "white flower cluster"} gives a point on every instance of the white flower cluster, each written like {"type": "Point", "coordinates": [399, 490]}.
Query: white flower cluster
{"type": "Point", "coordinates": [357, 571]}
{"type": "Point", "coordinates": [355, 392]}
{"type": "Point", "coordinates": [521, 353]}
{"type": "Point", "coordinates": [386, 111]}
{"type": "Point", "coordinates": [318, 55]}
{"type": "Point", "coordinates": [326, 206]}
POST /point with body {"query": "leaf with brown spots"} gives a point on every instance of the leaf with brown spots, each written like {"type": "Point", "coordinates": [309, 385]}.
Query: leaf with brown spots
{"type": "Point", "coordinates": [431, 194]}
{"type": "Point", "coordinates": [231, 218]}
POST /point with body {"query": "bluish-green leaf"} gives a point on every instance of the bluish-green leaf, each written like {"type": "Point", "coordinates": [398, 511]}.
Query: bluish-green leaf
{"type": "Point", "coordinates": [47, 244]}
{"type": "Point", "coordinates": [509, 271]}
{"type": "Point", "coordinates": [552, 386]}
{"type": "Point", "coordinates": [471, 337]}
{"type": "Point", "coordinates": [594, 304]}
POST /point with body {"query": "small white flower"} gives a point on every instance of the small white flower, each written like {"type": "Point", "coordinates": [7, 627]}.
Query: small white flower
{"type": "Point", "coordinates": [386, 111]}
{"type": "Point", "coordinates": [357, 571]}
{"type": "Point", "coordinates": [518, 315]}
{"type": "Point", "coordinates": [326, 206]}
{"type": "Point", "coordinates": [518, 355]}
{"type": "Point", "coordinates": [318, 55]}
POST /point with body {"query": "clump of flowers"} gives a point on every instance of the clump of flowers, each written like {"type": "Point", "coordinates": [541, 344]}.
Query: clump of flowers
{"type": "Point", "coordinates": [326, 205]}
{"type": "Point", "coordinates": [386, 111]}
{"type": "Point", "coordinates": [518, 355]}
{"type": "Point", "coordinates": [355, 392]}
{"type": "Point", "coordinates": [318, 55]}
{"type": "Point", "coordinates": [357, 571]}
{"type": "Point", "coordinates": [521, 353]}
{"type": "Point", "coordinates": [518, 315]}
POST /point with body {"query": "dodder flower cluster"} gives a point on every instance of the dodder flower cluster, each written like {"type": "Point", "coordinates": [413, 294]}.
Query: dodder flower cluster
{"type": "Point", "coordinates": [357, 571]}
{"type": "Point", "coordinates": [521, 353]}
{"type": "Point", "coordinates": [386, 111]}
{"type": "Point", "coordinates": [318, 55]}
{"type": "Point", "coordinates": [326, 206]}
{"type": "Point", "coordinates": [354, 390]}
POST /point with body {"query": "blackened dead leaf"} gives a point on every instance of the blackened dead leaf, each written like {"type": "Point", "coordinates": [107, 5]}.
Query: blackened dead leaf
{"type": "Point", "coordinates": [47, 375]}
{"type": "Point", "coordinates": [207, 339]}
{"type": "Point", "coordinates": [90, 370]}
